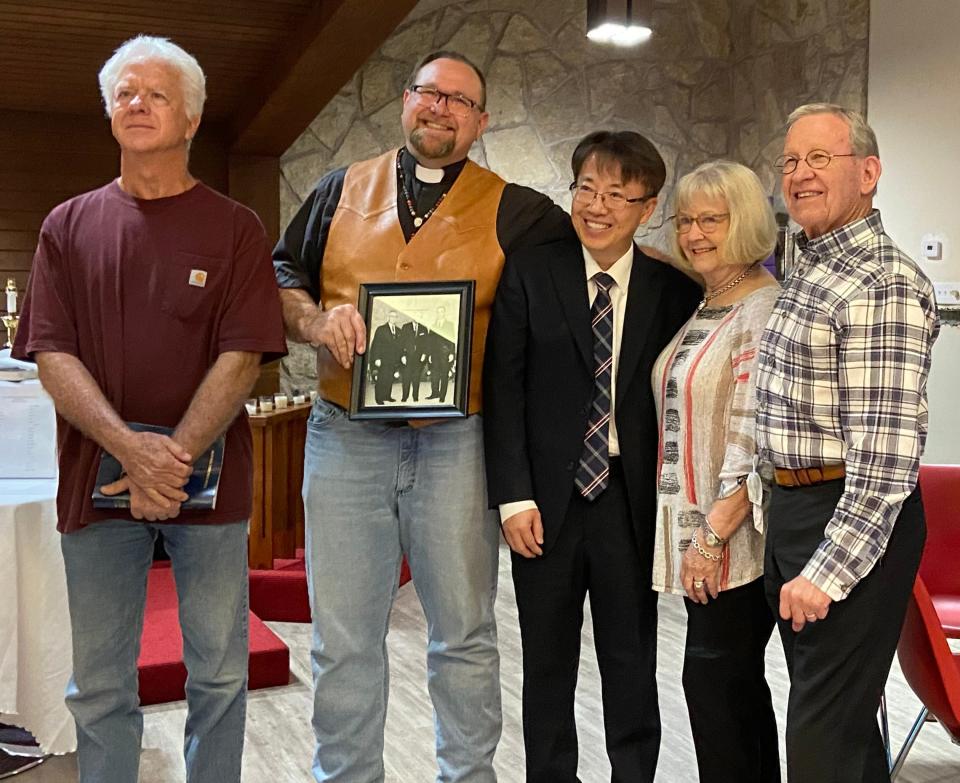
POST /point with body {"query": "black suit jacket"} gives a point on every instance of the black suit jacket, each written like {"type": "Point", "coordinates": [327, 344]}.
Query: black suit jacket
{"type": "Point", "coordinates": [387, 347]}
{"type": "Point", "coordinates": [538, 379]}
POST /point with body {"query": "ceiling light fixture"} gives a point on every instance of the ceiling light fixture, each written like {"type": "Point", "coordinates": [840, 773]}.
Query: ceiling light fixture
{"type": "Point", "coordinates": [619, 22]}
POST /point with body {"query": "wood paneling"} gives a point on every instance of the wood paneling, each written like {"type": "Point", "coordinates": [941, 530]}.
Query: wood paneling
{"type": "Point", "coordinates": [270, 67]}
{"type": "Point", "coordinates": [255, 182]}
{"type": "Point", "coordinates": [234, 42]}
{"type": "Point", "coordinates": [49, 158]}
{"type": "Point", "coordinates": [334, 40]}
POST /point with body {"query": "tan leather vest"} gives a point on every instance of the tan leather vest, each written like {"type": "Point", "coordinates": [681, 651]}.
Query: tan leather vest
{"type": "Point", "coordinates": [366, 245]}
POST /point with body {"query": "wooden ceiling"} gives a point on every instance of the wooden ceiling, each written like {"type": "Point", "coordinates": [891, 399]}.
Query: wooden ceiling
{"type": "Point", "coordinates": [271, 65]}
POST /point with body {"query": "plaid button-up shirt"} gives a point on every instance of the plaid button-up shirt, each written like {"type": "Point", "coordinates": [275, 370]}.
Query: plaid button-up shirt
{"type": "Point", "coordinates": [843, 378]}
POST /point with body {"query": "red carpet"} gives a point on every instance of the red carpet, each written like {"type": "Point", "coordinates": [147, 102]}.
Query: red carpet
{"type": "Point", "coordinates": [280, 593]}
{"type": "Point", "coordinates": [162, 673]}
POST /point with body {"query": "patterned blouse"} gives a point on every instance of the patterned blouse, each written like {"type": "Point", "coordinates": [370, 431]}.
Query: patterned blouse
{"type": "Point", "coordinates": [705, 387]}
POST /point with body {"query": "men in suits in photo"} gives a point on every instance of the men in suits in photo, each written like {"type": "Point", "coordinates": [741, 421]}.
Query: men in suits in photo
{"type": "Point", "coordinates": [414, 338]}
{"type": "Point", "coordinates": [571, 444]}
{"type": "Point", "coordinates": [385, 352]}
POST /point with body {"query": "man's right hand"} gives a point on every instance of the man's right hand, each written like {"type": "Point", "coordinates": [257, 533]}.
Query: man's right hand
{"type": "Point", "coordinates": [157, 464]}
{"type": "Point", "coordinates": [341, 330]}
{"type": "Point", "coordinates": [524, 533]}
{"type": "Point", "coordinates": [142, 505]}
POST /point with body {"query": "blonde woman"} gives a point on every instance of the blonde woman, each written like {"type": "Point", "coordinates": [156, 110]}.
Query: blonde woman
{"type": "Point", "coordinates": [710, 526]}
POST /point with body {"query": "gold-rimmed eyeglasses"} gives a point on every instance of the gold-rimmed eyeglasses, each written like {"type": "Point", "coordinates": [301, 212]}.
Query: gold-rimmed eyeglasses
{"type": "Point", "coordinates": [458, 105]}
{"type": "Point", "coordinates": [613, 199]}
{"type": "Point", "coordinates": [708, 222]}
{"type": "Point", "coordinates": [815, 159]}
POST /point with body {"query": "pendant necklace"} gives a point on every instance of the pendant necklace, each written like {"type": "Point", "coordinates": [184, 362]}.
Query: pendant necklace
{"type": "Point", "coordinates": [710, 295]}
{"type": "Point", "coordinates": [418, 220]}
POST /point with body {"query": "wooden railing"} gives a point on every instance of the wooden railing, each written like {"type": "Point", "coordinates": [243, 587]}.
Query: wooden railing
{"type": "Point", "coordinates": [276, 524]}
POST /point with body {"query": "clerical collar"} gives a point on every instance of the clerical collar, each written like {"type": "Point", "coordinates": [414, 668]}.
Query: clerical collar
{"type": "Point", "coordinates": [430, 176]}
{"type": "Point", "coordinates": [425, 176]}
{"type": "Point", "coordinates": [421, 199]}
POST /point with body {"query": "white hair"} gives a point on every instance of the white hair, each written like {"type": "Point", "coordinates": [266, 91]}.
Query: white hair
{"type": "Point", "coordinates": [863, 141]}
{"type": "Point", "coordinates": [146, 48]}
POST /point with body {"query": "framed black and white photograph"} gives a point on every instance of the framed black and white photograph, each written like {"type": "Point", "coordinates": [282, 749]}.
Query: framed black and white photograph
{"type": "Point", "coordinates": [417, 361]}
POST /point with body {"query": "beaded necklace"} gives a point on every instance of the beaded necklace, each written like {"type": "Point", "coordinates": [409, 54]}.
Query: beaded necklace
{"type": "Point", "coordinates": [418, 220]}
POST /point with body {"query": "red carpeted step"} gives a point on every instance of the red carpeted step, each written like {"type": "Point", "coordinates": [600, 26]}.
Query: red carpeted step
{"type": "Point", "coordinates": [280, 593]}
{"type": "Point", "coordinates": [162, 673]}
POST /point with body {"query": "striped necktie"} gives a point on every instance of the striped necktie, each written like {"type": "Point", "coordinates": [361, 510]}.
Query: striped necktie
{"type": "Point", "coordinates": [593, 473]}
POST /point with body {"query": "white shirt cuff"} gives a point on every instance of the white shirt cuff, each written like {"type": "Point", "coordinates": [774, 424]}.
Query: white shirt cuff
{"type": "Point", "coordinates": [507, 510]}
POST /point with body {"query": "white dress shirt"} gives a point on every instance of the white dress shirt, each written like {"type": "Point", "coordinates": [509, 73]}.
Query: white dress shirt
{"type": "Point", "coordinates": [620, 272]}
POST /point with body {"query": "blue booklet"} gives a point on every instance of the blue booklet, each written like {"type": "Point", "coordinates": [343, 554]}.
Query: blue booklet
{"type": "Point", "coordinates": [202, 485]}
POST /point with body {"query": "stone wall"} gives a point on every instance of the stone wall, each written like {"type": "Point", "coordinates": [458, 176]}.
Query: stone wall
{"type": "Point", "coordinates": [716, 79]}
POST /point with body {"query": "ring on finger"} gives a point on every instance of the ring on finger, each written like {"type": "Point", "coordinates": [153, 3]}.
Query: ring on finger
{"type": "Point", "coordinates": [810, 617]}
{"type": "Point", "coordinates": [698, 584]}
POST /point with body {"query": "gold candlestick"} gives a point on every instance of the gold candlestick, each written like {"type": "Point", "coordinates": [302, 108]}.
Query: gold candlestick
{"type": "Point", "coordinates": [11, 320]}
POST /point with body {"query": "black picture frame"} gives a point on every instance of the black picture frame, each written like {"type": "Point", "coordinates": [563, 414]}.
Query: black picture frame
{"type": "Point", "coordinates": [426, 353]}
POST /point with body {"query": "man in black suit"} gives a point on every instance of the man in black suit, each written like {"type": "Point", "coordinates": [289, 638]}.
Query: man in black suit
{"type": "Point", "coordinates": [441, 356]}
{"type": "Point", "coordinates": [413, 337]}
{"type": "Point", "coordinates": [571, 447]}
{"type": "Point", "coordinates": [385, 352]}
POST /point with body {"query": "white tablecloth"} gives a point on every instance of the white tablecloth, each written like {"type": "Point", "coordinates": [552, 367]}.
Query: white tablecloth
{"type": "Point", "coordinates": [35, 657]}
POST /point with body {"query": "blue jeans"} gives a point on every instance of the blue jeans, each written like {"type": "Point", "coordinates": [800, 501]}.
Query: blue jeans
{"type": "Point", "coordinates": [372, 492]}
{"type": "Point", "coordinates": [106, 565]}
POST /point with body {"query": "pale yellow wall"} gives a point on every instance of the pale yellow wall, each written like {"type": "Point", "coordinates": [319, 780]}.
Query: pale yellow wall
{"type": "Point", "coordinates": [914, 105]}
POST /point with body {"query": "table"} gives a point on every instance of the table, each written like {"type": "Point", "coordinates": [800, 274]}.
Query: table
{"type": "Point", "coordinates": [35, 652]}
{"type": "Point", "coordinates": [276, 521]}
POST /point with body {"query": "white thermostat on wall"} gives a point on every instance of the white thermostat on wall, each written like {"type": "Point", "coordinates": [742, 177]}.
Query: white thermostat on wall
{"type": "Point", "coordinates": [933, 249]}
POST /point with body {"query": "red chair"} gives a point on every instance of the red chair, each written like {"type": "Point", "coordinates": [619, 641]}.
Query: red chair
{"type": "Point", "coordinates": [940, 487]}
{"type": "Point", "coordinates": [930, 668]}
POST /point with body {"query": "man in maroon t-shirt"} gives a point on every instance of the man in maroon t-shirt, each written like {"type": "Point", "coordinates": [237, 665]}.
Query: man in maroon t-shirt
{"type": "Point", "coordinates": [153, 300]}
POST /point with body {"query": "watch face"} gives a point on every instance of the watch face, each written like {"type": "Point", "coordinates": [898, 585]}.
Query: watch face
{"type": "Point", "coordinates": [712, 540]}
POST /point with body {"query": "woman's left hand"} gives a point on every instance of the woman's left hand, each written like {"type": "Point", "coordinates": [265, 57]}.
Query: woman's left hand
{"type": "Point", "coordinates": [700, 576]}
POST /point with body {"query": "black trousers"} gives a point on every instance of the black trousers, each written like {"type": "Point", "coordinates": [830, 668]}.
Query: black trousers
{"type": "Point", "coordinates": [731, 714]}
{"type": "Point", "coordinates": [596, 553]}
{"type": "Point", "coordinates": [410, 374]}
{"type": "Point", "coordinates": [838, 666]}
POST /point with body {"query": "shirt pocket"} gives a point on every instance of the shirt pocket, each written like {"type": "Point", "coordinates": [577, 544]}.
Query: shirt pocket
{"type": "Point", "coordinates": [191, 285]}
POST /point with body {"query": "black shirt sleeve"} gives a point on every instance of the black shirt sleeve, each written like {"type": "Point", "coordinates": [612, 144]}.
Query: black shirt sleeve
{"type": "Point", "coordinates": [527, 218]}
{"type": "Point", "coordinates": [299, 253]}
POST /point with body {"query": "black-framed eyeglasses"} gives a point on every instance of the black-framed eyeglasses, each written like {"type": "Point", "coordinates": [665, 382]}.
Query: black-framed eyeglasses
{"type": "Point", "coordinates": [815, 159]}
{"type": "Point", "coordinates": [708, 222]}
{"type": "Point", "coordinates": [613, 200]}
{"type": "Point", "coordinates": [458, 105]}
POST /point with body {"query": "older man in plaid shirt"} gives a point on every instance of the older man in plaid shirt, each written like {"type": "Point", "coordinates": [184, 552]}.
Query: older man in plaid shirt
{"type": "Point", "coordinates": [843, 418]}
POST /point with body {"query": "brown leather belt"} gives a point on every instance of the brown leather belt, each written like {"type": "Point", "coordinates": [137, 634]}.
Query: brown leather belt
{"type": "Point", "coordinates": [808, 477]}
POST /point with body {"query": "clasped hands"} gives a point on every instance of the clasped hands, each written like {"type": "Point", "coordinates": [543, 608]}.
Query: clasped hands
{"type": "Point", "coordinates": [155, 469]}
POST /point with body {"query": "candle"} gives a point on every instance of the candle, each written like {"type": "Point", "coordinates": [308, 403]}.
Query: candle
{"type": "Point", "coordinates": [11, 296]}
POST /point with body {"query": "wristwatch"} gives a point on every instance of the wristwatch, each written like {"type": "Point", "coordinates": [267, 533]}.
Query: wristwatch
{"type": "Point", "coordinates": [710, 538]}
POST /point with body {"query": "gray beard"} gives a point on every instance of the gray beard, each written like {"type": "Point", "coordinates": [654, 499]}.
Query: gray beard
{"type": "Point", "coordinates": [436, 151]}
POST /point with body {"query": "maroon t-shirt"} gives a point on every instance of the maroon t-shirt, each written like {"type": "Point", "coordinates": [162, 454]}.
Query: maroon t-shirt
{"type": "Point", "coordinates": [115, 283]}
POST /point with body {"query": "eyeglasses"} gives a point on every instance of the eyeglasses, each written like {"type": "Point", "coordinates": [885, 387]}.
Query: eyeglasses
{"type": "Point", "coordinates": [708, 222]}
{"type": "Point", "coordinates": [458, 105]}
{"type": "Point", "coordinates": [815, 159]}
{"type": "Point", "coordinates": [612, 200]}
